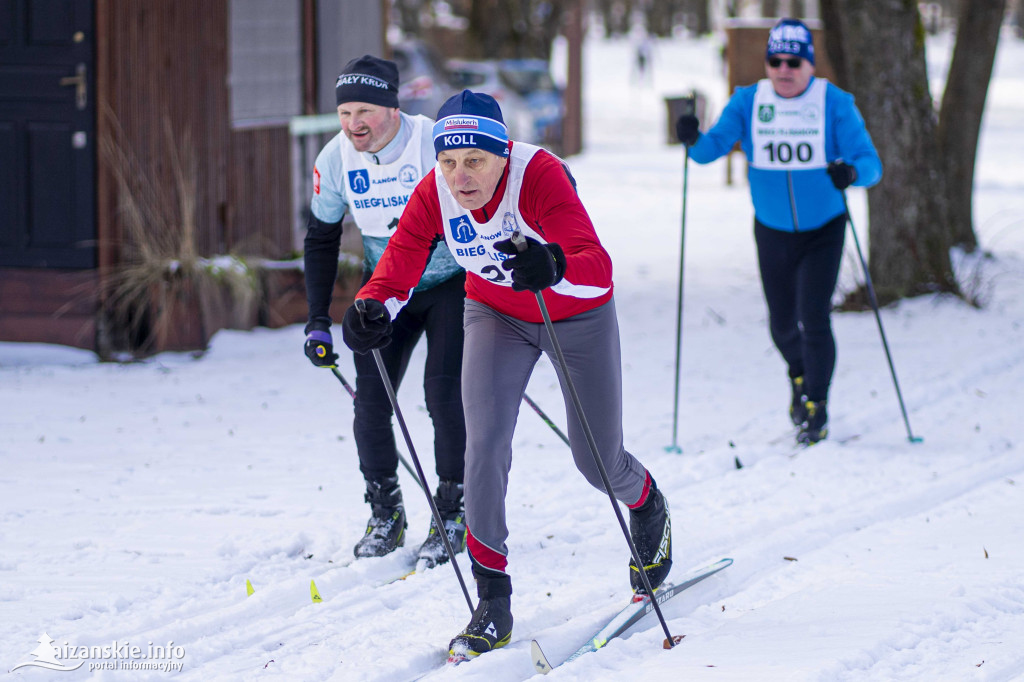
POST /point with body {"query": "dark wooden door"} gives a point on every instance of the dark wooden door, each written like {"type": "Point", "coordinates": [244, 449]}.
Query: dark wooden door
{"type": "Point", "coordinates": [47, 134]}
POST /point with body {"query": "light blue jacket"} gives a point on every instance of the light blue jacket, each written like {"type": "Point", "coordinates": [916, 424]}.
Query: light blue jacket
{"type": "Point", "coordinates": [801, 200]}
{"type": "Point", "coordinates": [331, 202]}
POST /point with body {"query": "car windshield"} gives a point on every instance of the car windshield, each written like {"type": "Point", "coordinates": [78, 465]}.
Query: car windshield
{"type": "Point", "coordinates": [463, 78]}
{"type": "Point", "coordinates": [527, 80]}
{"type": "Point", "coordinates": [401, 59]}
{"type": "Point", "coordinates": [416, 59]}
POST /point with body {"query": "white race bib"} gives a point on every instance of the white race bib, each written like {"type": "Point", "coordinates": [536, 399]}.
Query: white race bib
{"type": "Point", "coordinates": [789, 133]}
{"type": "Point", "coordinates": [472, 243]}
{"type": "Point", "coordinates": [377, 193]}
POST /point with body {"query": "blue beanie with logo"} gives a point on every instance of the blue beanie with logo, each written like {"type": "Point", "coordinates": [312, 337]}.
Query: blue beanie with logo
{"type": "Point", "coordinates": [471, 119]}
{"type": "Point", "coordinates": [791, 36]}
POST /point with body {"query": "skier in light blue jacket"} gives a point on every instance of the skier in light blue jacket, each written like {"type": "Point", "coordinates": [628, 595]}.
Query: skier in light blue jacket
{"type": "Point", "coordinates": [805, 142]}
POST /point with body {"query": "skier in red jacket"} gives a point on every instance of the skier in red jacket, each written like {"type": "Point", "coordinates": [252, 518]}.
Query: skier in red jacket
{"type": "Point", "coordinates": [483, 189]}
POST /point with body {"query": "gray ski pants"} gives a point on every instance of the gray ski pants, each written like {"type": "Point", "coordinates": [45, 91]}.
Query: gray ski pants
{"type": "Point", "coordinates": [499, 355]}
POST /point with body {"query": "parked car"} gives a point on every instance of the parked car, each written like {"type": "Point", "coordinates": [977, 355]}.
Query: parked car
{"type": "Point", "coordinates": [531, 78]}
{"type": "Point", "coordinates": [487, 77]}
{"type": "Point", "coordinates": [423, 81]}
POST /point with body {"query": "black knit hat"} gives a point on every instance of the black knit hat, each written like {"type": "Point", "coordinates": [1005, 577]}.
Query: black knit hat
{"type": "Point", "coordinates": [368, 79]}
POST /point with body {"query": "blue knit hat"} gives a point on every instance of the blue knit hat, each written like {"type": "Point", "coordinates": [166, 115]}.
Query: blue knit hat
{"type": "Point", "coordinates": [471, 119]}
{"type": "Point", "coordinates": [791, 36]}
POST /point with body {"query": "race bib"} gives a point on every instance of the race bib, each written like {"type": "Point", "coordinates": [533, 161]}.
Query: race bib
{"type": "Point", "coordinates": [789, 133]}
{"type": "Point", "coordinates": [378, 193]}
{"type": "Point", "coordinates": [472, 243]}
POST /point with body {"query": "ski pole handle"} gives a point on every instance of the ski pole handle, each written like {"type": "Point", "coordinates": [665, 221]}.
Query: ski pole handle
{"type": "Point", "coordinates": [688, 105]}
{"type": "Point", "coordinates": [518, 241]}
{"type": "Point", "coordinates": [360, 306]}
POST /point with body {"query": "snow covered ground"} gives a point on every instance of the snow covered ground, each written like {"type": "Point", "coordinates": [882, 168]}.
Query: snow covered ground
{"type": "Point", "coordinates": [136, 500]}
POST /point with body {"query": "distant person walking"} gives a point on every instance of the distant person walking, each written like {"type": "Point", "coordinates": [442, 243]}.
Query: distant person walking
{"type": "Point", "coordinates": [644, 56]}
{"type": "Point", "coordinates": [805, 142]}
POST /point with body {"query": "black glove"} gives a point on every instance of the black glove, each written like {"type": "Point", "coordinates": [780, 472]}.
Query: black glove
{"type": "Point", "coordinates": [688, 129]}
{"type": "Point", "coordinates": [368, 330]}
{"type": "Point", "coordinates": [319, 344]}
{"type": "Point", "coordinates": [538, 267]}
{"type": "Point", "coordinates": [843, 174]}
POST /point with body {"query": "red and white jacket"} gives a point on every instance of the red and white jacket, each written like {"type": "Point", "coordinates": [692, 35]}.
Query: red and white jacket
{"type": "Point", "coordinates": [548, 209]}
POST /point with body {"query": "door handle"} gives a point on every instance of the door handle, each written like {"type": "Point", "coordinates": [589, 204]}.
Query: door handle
{"type": "Point", "coordinates": [81, 86]}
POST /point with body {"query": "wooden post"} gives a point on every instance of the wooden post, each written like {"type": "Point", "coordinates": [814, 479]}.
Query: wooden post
{"type": "Point", "coordinates": [572, 124]}
{"type": "Point", "coordinates": [309, 74]}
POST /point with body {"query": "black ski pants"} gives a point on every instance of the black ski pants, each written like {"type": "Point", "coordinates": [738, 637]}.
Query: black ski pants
{"type": "Point", "coordinates": [799, 271]}
{"type": "Point", "coordinates": [437, 313]}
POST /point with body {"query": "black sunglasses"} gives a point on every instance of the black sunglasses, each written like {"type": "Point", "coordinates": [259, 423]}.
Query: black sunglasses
{"type": "Point", "coordinates": [792, 62]}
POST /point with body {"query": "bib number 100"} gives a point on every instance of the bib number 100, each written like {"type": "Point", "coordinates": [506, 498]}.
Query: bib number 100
{"type": "Point", "coordinates": [783, 152]}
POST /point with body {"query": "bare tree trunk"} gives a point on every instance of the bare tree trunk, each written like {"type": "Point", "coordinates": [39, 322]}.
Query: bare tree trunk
{"type": "Point", "coordinates": [572, 120]}
{"type": "Point", "coordinates": [703, 10]}
{"type": "Point", "coordinates": [698, 13]}
{"type": "Point", "coordinates": [408, 16]}
{"type": "Point", "coordinates": [604, 8]}
{"type": "Point", "coordinates": [615, 15]}
{"type": "Point", "coordinates": [877, 48]}
{"type": "Point", "coordinates": [487, 26]}
{"type": "Point", "coordinates": [513, 28]}
{"type": "Point", "coordinates": [963, 104]}
{"type": "Point", "coordinates": [546, 23]}
{"type": "Point", "coordinates": [659, 15]}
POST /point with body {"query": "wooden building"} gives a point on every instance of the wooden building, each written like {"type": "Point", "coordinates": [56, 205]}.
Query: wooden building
{"type": "Point", "coordinates": [148, 136]}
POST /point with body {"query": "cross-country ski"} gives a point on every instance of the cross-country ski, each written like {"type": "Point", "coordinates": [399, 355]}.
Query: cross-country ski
{"type": "Point", "coordinates": [629, 616]}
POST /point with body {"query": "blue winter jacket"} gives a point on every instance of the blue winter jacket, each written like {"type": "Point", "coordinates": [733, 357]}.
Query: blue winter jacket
{"type": "Point", "coordinates": [801, 200]}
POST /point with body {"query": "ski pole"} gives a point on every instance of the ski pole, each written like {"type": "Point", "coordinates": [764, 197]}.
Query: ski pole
{"type": "Point", "coordinates": [520, 243]}
{"type": "Point", "coordinates": [878, 318]}
{"type": "Point", "coordinates": [547, 419]}
{"type": "Point", "coordinates": [351, 392]}
{"type": "Point", "coordinates": [526, 397]}
{"type": "Point", "coordinates": [529, 401]}
{"type": "Point", "coordinates": [690, 107]}
{"type": "Point", "coordinates": [361, 308]}
{"type": "Point", "coordinates": [341, 378]}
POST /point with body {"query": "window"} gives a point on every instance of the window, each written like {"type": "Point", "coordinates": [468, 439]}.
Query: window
{"type": "Point", "coordinates": [265, 76]}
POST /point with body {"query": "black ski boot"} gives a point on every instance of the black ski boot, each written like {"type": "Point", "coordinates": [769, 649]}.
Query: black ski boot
{"type": "Point", "coordinates": [651, 529]}
{"type": "Point", "coordinates": [816, 428]}
{"type": "Point", "coordinates": [491, 625]}
{"type": "Point", "coordinates": [449, 504]}
{"type": "Point", "coordinates": [797, 406]}
{"type": "Point", "coordinates": [385, 531]}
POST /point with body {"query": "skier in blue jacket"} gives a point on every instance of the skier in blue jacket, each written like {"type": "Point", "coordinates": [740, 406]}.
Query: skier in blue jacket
{"type": "Point", "coordinates": [805, 143]}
